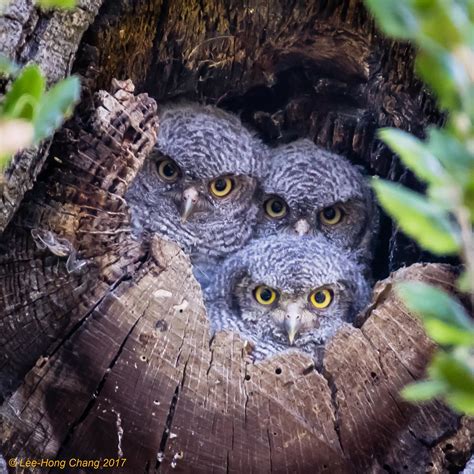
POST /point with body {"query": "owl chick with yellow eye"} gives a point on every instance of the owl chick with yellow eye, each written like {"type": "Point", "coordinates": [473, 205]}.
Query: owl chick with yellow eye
{"type": "Point", "coordinates": [198, 186]}
{"type": "Point", "coordinates": [309, 191]}
{"type": "Point", "coordinates": [287, 292]}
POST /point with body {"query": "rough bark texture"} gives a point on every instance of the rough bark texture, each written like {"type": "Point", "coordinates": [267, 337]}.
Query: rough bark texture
{"type": "Point", "coordinates": [152, 390]}
{"type": "Point", "coordinates": [50, 40]}
{"type": "Point", "coordinates": [47, 290]}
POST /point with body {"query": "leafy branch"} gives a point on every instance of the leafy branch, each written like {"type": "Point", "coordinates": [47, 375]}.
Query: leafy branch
{"type": "Point", "coordinates": [440, 220]}
{"type": "Point", "coordinates": [47, 4]}
{"type": "Point", "coordinates": [28, 112]}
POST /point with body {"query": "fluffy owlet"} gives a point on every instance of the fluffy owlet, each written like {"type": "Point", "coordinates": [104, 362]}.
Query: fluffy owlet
{"type": "Point", "coordinates": [197, 187]}
{"type": "Point", "coordinates": [284, 292]}
{"type": "Point", "coordinates": [309, 191]}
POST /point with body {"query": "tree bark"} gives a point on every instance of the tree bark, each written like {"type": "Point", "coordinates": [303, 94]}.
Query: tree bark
{"type": "Point", "coordinates": [50, 40]}
{"type": "Point", "coordinates": [116, 329]}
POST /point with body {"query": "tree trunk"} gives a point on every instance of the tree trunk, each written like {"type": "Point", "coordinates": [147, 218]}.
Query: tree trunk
{"type": "Point", "coordinates": [116, 329]}
{"type": "Point", "coordinates": [50, 40]}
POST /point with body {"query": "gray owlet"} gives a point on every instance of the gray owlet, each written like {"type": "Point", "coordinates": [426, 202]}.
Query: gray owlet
{"type": "Point", "coordinates": [198, 186]}
{"type": "Point", "coordinates": [310, 191]}
{"type": "Point", "coordinates": [285, 292]}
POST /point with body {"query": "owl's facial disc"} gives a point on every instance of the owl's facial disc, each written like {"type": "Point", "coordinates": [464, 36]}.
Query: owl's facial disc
{"type": "Point", "coordinates": [299, 314]}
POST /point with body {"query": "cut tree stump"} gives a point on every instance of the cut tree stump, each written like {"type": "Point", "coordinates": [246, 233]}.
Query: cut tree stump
{"type": "Point", "coordinates": [133, 373]}
{"type": "Point", "coordinates": [140, 380]}
{"type": "Point", "coordinates": [105, 344]}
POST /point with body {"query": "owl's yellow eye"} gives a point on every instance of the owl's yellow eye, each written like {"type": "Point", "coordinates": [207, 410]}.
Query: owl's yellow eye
{"type": "Point", "coordinates": [331, 215]}
{"type": "Point", "coordinates": [265, 295]}
{"type": "Point", "coordinates": [168, 170]}
{"type": "Point", "coordinates": [321, 298]}
{"type": "Point", "coordinates": [275, 207]}
{"type": "Point", "coordinates": [221, 187]}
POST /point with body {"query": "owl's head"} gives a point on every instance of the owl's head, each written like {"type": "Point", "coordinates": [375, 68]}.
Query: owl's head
{"type": "Point", "coordinates": [287, 291]}
{"type": "Point", "coordinates": [198, 185]}
{"type": "Point", "coordinates": [309, 191]}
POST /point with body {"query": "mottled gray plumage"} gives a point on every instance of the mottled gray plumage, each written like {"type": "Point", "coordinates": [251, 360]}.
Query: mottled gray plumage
{"type": "Point", "coordinates": [311, 181]}
{"type": "Point", "coordinates": [204, 144]}
{"type": "Point", "coordinates": [295, 267]}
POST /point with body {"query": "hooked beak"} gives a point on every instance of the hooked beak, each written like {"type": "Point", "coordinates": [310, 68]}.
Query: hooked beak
{"type": "Point", "coordinates": [292, 323]}
{"type": "Point", "coordinates": [190, 198]}
{"type": "Point", "coordinates": [301, 227]}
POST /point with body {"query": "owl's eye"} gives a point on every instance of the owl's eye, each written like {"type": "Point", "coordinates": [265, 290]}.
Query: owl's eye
{"type": "Point", "coordinates": [221, 187]}
{"type": "Point", "coordinates": [331, 215]}
{"type": "Point", "coordinates": [321, 298]}
{"type": "Point", "coordinates": [168, 170]}
{"type": "Point", "coordinates": [275, 207]}
{"type": "Point", "coordinates": [265, 295]}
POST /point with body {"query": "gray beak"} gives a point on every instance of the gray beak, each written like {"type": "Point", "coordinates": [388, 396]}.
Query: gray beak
{"type": "Point", "coordinates": [190, 198]}
{"type": "Point", "coordinates": [292, 323]}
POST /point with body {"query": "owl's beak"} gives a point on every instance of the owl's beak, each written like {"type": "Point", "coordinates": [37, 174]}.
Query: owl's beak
{"type": "Point", "coordinates": [292, 322]}
{"type": "Point", "coordinates": [190, 198]}
{"type": "Point", "coordinates": [301, 227]}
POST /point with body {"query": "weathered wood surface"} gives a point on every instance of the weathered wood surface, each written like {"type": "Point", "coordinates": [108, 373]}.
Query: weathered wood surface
{"type": "Point", "coordinates": [49, 39]}
{"type": "Point", "coordinates": [44, 293]}
{"type": "Point", "coordinates": [139, 379]}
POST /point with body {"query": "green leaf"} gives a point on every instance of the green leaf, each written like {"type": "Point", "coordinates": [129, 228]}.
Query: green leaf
{"type": "Point", "coordinates": [414, 153]}
{"type": "Point", "coordinates": [464, 282]}
{"type": "Point", "coordinates": [442, 17]}
{"type": "Point", "coordinates": [55, 105]}
{"type": "Point", "coordinates": [454, 372]}
{"type": "Point", "coordinates": [451, 152]}
{"type": "Point", "coordinates": [462, 402]}
{"type": "Point", "coordinates": [421, 391]}
{"type": "Point", "coordinates": [26, 90]}
{"type": "Point", "coordinates": [431, 303]}
{"type": "Point", "coordinates": [4, 161]}
{"type": "Point", "coordinates": [395, 18]}
{"type": "Point", "coordinates": [419, 218]}
{"type": "Point", "coordinates": [444, 74]}
{"type": "Point", "coordinates": [469, 195]}
{"type": "Point", "coordinates": [64, 4]}
{"type": "Point", "coordinates": [445, 334]}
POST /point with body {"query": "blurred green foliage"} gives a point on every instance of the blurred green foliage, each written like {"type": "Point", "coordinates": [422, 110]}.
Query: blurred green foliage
{"type": "Point", "coordinates": [46, 4]}
{"type": "Point", "coordinates": [442, 31]}
{"type": "Point", "coordinates": [28, 112]}
{"type": "Point", "coordinates": [65, 4]}
{"type": "Point", "coordinates": [35, 111]}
